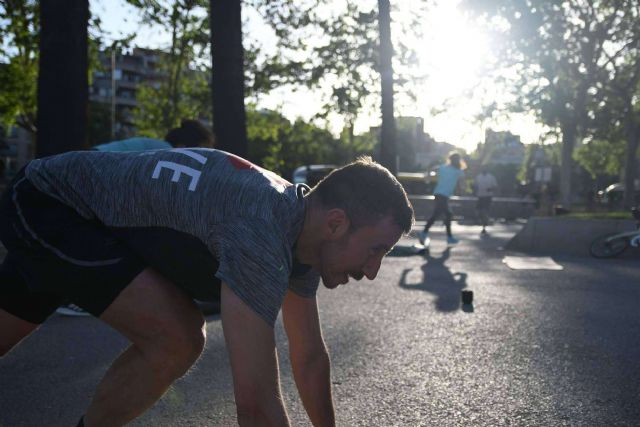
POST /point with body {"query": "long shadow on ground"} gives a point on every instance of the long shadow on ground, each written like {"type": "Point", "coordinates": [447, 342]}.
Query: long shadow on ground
{"type": "Point", "coordinates": [438, 280]}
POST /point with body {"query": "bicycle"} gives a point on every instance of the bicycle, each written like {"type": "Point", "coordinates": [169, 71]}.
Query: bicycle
{"type": "Point", "coordinates": [612, 245]}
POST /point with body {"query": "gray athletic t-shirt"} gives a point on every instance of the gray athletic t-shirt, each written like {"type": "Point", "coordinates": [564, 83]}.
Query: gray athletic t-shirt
{"type": "Point", "coordinates": [248, 217]}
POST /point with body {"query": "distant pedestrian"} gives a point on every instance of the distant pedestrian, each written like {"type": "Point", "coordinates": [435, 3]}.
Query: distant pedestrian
{"type": "Point", "coordinates": [448, 176]}
{"type": "Point", "coordinates": [485, 185]}
{"type": "Point", "coordinates": [191, 133]}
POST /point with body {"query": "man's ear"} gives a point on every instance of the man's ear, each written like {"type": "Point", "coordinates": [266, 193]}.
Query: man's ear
{"type": "Point", "coordinates": [336, 223]}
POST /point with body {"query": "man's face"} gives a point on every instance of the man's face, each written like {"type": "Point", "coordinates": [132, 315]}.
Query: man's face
{"type": "Point", "coordinates": [357, 253]}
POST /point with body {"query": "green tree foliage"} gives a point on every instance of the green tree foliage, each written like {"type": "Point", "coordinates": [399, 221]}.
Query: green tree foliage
{"type": "Point", "coordinates": [182, 88]}
{"type": "Point", "coordinates": [99, 124]}
{"type": "Point", "coordinates": [557, 50]}
{"type": "Point", "coordinates": [601, 157]}
{"type": "Point", "coordinates": [19, 26]}
{"type": "Point", "coordinates": [617, 109]}
{"type": "Point", "coordinates": [345, 59]}
{"type": "Point", "coordinates": [163, 104]}
{"type": "Point", "coordinates": [19, 55]}
{"type": "Point", "coordinates": [344, 63]}
{"type": "Point", "coordinates": [281, 146]}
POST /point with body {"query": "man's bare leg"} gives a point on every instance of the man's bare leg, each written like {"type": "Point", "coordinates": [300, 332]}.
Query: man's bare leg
{"type": "Point", "coordinates": [167, 334]}
{"type": "Point", "coordinates": [13, 330]}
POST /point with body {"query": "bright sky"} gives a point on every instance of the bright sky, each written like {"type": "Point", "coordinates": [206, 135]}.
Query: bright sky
{"type": "Point", "coordinates": [451, 52]}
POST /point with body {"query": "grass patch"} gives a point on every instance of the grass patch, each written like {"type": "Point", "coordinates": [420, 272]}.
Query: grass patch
{"type": "Point", "coordinates": [600, 215]}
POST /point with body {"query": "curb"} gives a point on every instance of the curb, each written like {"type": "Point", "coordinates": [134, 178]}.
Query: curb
{"type": "Point", "coordinates": [557, 235]}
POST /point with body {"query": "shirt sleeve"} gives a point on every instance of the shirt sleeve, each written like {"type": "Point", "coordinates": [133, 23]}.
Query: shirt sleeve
{"type": "Point", "coordinates": [254, 263]}
{"type": "Point", "coordinates": [306, 285]}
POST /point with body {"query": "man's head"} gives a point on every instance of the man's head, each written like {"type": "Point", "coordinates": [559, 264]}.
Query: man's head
{"type": "Point", "coordinates": [456, 161]}
{"type": "Point", "coordinates": [191, 133]}
{"type": "Point", "coordinates": [361, 211]}
{"type": "Point", "coordinates": [367, 192]}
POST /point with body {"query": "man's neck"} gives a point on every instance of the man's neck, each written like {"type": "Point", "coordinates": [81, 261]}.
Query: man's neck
{"type": "Point", "coordinates": [309, 240]}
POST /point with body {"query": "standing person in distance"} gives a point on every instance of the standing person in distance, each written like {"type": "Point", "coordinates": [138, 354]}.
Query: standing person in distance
{"type": "Point", "coordinates": [191, 133]}
{"type": "Point", "coordinates": [484, 184]}
{"type": "Point", "coordinates": [448, 176]}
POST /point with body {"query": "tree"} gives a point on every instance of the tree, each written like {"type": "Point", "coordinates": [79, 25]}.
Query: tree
{"type": "Point", "coordinates": [19, 29]}
{"type": "Point", "coordinates": [557, 49]}
{"type": "Point", "coordinates": [182, 88]}
{"type": "Point", "coordinates": [618, 109]}
{"type": "Point", "coordinates": [19, 59]}
{"type": "Point", "coordinates": [62, 79]}
{"type": "Point", "coordinates": [229, 116]}
{"type": "Point", "coordinates": [280, 145]}
{"type": "Point", "coordinates": [601, 158]}
{"type": "Point", "coordinates": [388, 129]}
{"type": "Point", "coordinates": [345, 62]}
{"type": "Point", "coordinates": [351, 52]}
{"type": "Point", "coordinates": [163, 104]}
{"type": "Point", "coordinates": [99, 123]}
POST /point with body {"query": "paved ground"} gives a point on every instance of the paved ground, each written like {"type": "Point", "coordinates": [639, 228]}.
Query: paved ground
{"type": "Point", "coordinates": [538, 348]}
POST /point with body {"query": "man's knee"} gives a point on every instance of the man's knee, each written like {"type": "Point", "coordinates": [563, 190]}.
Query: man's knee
{"type": "Point", "coordinates": [176, 347]}
{"type": "Point", "coordinates": [5, 348]}
{"type": "Point", "coordinates": [12, 331]}
{"type": "Point", "coordinates": [161, 321]}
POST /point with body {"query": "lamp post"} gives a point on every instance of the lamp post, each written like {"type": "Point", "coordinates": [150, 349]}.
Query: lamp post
{"type": "Point", "coordinates": [113, 90]}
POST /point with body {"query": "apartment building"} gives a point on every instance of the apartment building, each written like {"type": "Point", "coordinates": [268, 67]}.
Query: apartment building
{"type": "Point", "coordinates": [121, 74]}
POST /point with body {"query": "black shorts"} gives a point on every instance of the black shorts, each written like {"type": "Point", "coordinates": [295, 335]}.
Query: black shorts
{"type": "Point", "coordinates": [55, 256]}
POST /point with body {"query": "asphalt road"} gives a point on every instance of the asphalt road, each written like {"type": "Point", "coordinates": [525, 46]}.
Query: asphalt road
{"type": "Point", "coordinates": [538, 348]}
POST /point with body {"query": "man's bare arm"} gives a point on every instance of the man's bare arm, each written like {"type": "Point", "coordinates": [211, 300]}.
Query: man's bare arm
{"type": "Point", "coordinates": [254, 363]}
{"type": "Point", "coordinates": [309, 358]}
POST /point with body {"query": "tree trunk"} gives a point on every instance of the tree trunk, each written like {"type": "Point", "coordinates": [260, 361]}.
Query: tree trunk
{"type": "Point", "coordinates": [631, 161]}
{"type": "Point", "coordinates": [62, 78]}
{"type": "Point", "coordinates": [229, 117]}
{"type": "Point", "coordinates": [388, 129]}
{"type": "Point", "coordinates": [569, 131]}
{"type": "Point", "coordinates": [352, 141]}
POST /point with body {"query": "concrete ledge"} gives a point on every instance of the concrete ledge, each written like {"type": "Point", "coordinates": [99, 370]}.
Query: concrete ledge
{"type": "Point", "coordinates": [501, 207]}
{"type": "Point", "coordinates": [558, 235]}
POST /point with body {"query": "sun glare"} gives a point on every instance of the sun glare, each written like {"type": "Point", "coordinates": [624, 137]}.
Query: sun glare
{"type": "Point", "coordinates": [451, 56]}
{"type": "Point", "coordinates": [453, 52]}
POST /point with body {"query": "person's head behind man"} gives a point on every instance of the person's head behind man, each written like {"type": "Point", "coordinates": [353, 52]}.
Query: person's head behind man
{"type": "Point", "coordinates": [456, 161]}
{"type": "Point", "coordinates": [191, 133]}
{"type": "Point", "coordinates": [365, 210]}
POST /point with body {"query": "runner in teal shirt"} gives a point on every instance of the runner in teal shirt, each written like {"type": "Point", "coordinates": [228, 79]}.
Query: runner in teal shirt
{"type": "Point", "coordinates": [448, 176]}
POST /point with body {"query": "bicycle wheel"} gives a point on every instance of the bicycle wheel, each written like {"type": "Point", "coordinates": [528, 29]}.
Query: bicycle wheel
{"type": "Point", "coordinates": [607, 247]}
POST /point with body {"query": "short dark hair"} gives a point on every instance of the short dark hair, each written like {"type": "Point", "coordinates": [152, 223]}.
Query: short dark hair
{"type": "Point", "coordinates": [367, 192]}
{"type": "Point", "coordinates": [456, 161]}
{"type": "Point", "coordinates": [191, 133]}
